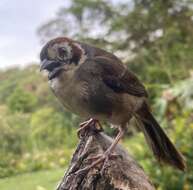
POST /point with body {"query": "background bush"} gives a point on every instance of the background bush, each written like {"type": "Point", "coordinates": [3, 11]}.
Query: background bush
{"type": "Point", "coordinates": [153, 38]}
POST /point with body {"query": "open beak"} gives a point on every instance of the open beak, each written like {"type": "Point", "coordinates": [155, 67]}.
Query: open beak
{"type": "Point", "coordinates": [48, 65]}
{"type": "Point", "coordinates": [53, 67]}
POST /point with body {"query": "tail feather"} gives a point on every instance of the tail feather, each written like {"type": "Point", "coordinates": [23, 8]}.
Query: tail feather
{"type": "Point", "coordinates": [160, 144]}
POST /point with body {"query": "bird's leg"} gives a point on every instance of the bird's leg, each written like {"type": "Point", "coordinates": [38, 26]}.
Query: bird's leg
{"type": "Point", "coordinates": [91, 122]}
{"type": "Point", "coordinates": [106, 156]}
{"type": "Point", "coordinates": [110, 150]}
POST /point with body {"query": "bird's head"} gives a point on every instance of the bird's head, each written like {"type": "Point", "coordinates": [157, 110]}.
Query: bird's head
{"type": "Point", "coordinates": [61, 55]}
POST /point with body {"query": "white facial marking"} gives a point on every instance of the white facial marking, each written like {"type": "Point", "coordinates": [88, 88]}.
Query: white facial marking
{"type": "Point", "coordinates": [53, 52]}
{"type": "Point", "coordinates": [83, 55]}
{"type": "Point", "coordinates": [54, 83]}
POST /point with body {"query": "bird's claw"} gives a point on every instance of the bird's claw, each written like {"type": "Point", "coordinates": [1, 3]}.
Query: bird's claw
{"type": "Point", "coordinates": [94, 123]}
{"type": "Point", "coordinates": [93, 158]}
{"type": "Point", "coordinates": [98, 159]}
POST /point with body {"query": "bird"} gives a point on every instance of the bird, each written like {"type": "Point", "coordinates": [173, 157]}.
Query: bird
{"type": "Point", "coordinates": [94, 83]}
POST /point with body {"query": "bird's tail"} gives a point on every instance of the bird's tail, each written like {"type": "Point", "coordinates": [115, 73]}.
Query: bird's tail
{"type": "Point", "coordinates": [160, 144]}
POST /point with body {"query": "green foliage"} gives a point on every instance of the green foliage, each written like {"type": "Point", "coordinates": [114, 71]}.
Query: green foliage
{"type": "Point", "coordinates": [154, 39]}
{"type": "Point", "coordinates": [39, 141]}
{"type": "Point", "coordinates": [181, 133]}
{"type": "Point", "coordinates": [54, 130]}
{"type": "Point", "coordinates": [35, 132]}
{"type": "Point", "coordinates": [178, 124]}
{"type": "Point", "coordinates": [21, 101]}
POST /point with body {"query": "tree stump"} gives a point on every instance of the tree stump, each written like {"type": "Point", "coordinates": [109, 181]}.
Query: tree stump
{"type": "Point", "coordinates": [122, 173]}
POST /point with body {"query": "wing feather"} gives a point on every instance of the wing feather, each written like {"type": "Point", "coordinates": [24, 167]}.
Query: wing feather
{"type": "Point", "coordinates": [118, 78]}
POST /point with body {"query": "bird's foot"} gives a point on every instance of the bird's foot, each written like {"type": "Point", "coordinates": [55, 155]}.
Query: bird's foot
{"type": "Point", "coordinates": [89, 123]}
{"type": "Point", "coordinates": [98, 159]}
{"type": "Point", "coordinates": [94, 158]}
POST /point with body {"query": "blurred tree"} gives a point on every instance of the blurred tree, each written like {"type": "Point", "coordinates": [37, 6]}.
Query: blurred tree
{"type": "Point", "coordinates": [154, 39]}
{"type": "Point", "coordinates": [21, 101]}
{"type": "Point", "coordinates": [141, 32]}
{"type": "Point", "coordinates": [56, 130]}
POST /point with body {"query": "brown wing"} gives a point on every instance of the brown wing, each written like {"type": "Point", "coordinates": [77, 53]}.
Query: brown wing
{"type": "Point", "coordinates": [120, 79]}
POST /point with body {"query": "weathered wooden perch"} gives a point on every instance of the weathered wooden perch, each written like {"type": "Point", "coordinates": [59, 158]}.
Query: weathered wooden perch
{"type": "Point", "coordinates": [123, 172]}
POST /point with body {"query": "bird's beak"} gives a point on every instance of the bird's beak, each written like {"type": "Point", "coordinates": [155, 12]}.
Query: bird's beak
{"type": "Point", "coordinates": [53, 67]}
{"type": "Point", "coordinates": [47, 65]}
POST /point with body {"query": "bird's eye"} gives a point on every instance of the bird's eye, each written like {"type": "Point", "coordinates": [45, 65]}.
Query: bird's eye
{"type": "Point", "coordinates": [62, 53]}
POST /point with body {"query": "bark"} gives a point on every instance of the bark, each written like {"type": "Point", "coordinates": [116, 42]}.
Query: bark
{"type": "Point", "coordinates": [122, 173]}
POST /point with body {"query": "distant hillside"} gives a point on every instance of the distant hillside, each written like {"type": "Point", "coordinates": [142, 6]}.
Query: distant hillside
{"type": "Point", "coordinates": [32, 122]}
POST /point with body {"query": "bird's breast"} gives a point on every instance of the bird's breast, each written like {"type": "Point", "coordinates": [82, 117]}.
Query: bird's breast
{"type": "Point", "coordinates": [94, 99]}
{"type": "Point", "coordinates": [72, 94]}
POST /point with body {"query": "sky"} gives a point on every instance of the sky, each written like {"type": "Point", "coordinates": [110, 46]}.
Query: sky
{"type": "Point", "coordinates": [19, 21]}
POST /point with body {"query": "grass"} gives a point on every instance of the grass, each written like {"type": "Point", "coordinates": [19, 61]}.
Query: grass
{"type": "Point", "coordinates": [42, 180]}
